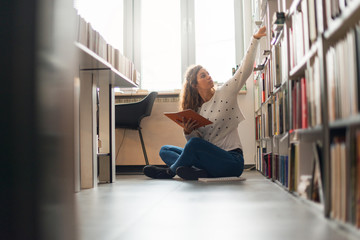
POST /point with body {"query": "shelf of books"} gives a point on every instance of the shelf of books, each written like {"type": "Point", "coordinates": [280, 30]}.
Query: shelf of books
{"type": "Point", "coordinates": [307, 103]}
{"type": "Point", "coordinates": [96, 54]}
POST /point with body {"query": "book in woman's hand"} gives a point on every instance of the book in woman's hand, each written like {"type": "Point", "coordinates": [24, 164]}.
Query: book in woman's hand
{"type": "Point", "coordinates": [185, 115]}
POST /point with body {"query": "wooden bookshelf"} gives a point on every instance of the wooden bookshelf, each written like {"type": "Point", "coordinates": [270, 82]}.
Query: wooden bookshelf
{"type": "Point", "coordinates": [351, 121]}
{"type": "Point", "coordinates": [90, 61]}
{"type": "Point", "coordinates": [308, 127]}
{"type": "Point", "coordinates": [298, 70]}
{"type": "Point", "coordinates": [346, 20]}
{"type": "Point", "coordinates": [97, 54]}
{"type": "Point", "coordinates": [100, 68]}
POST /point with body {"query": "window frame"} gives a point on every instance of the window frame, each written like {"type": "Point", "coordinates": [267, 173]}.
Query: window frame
{"type": "Point", "coordinates": [132, 32]}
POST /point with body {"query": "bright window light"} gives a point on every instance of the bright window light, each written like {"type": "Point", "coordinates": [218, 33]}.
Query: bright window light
{"type": "Point", "coordinates": [215, 37]}
{"type": "Point", "coordinates": [160, 45]}
{"type": "Point", "coordinates": [106, 17]}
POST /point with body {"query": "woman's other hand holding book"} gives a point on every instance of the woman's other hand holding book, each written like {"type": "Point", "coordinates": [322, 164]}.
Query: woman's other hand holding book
{"type": "Point", "coordinates": [188, 125]}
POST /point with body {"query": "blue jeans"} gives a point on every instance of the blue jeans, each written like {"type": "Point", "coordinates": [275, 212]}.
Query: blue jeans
{"type": "Point", "coordinates": [204, 155]}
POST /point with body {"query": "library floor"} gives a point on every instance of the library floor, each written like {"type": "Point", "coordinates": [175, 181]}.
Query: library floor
{"type": "Point", "coordinates": [137, 208]}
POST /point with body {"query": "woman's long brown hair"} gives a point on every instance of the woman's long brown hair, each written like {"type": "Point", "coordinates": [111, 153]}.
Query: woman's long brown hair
{"type": "Point", "coordinates": [189, 96]}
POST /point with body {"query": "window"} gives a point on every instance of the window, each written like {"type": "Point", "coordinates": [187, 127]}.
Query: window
{"type": "Point", "coordinates": [106, 17]}
{"type": "Point", "coordinates": [215, 37]}
{"type": "Point", "coordinates": [160, 45]}
{"type": "Point", "coordinates": [161, 40]}
{"type": "Point", "coordinates": [164, 33]}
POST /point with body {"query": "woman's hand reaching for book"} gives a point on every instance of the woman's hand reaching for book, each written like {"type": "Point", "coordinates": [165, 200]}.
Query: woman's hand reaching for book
{"type": "Point", "coordinates": [260, 33]}
{"type": "Point", "coordinates": [189, 125]}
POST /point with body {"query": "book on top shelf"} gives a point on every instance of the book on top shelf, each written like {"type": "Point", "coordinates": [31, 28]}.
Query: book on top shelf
{"type": "Point", "coordinates": [342, 78]}
{"type": "Point", "coordinates": [312, 20]}
{"type": "Point", "coordinates": [185, 115]}
{"type": "Point", "coordinates": [357, 47]}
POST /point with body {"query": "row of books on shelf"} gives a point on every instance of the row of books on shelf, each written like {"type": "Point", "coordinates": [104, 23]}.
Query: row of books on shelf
{"type": "Point", "coordinates": [305, 21]}
{"type": "Point", "coordinates": [277, 64]}
{"type": "Point", "coordinates": [343, 76]}
{"type": "Point", "coordinates": [276, 167]}
{"type": "Point", "coordinates": [303, 30]}
{"type": "Point", "coordinates": [276, 114]}
{"type": "Point", "coordinates": [296, 38]}
{"type": "Point", "coordinates": [299, 104]}
{"type": "Point", "coordinates": [306, 99]}
{"type": "Point", "coordinates": [305, 92]}
{"type": "Point", "coordinates": [280, 114]}
{"type": "Point", "coordinates": [273, 117]}
{"type": "Point", "coordinates": [299, 171]}
{"type": "Point", "coordinates": [259, 92]}
{"type": "Point", "coordinates": [333, 9]}
{"type": "Point", "coordinates": [300, 110]}
{"type": "Point", "coordinates": [93, 40]}
{"type": "Point", "coordinates": [271, 74]}
{"type": "Point", "coordinates": [345, 177]}
{"type": "Point", "coordinates": [291, 169]}
{"type": "Point", "coordinates": [313, 93]}
{"type": "Point", "coordinates": [258, 133]}
{"type": "Point", "coordinates": [302, 171]}
{"type": "Point", "coordinates": [304, 109]}
{"type": "Point", "coordinates": [287, 102]}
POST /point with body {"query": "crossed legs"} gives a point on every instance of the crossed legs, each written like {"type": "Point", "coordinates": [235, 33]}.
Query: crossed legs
{"type": "Point", "coordinates": [203, 155]}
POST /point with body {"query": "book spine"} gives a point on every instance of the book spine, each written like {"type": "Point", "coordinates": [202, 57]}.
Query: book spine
{"type": "Point", "coordinates": [304, 110]}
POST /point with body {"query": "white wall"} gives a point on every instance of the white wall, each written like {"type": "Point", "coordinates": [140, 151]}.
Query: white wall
{"type": "Point", "coordinates": [246, 128]}
{"type": "Point", "coordinates": [157, 131]}
{"type": "Point", "coordinates": [246, 102]}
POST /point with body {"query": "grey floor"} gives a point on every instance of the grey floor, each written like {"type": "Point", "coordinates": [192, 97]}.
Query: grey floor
{"type": "Point", "coordinates": [136, 207]}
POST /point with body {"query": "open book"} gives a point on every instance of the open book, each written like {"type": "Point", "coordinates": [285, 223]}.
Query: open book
{"type": "Point", "coordinates": [187, 114]}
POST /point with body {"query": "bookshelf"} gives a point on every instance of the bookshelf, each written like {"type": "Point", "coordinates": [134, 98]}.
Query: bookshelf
{"type": "Point", "coordinates": [97, 54]}
{"type": "Point", "coordinates": [90, 61]}
{"type": "Point", "coordinates": [101, 67]}
{"type": "Point", "coordinates": [307, 103]}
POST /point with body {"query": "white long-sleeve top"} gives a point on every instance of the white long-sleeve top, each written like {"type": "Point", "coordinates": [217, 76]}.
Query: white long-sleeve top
{"type": "Point", "coordinates": [223, 110]}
